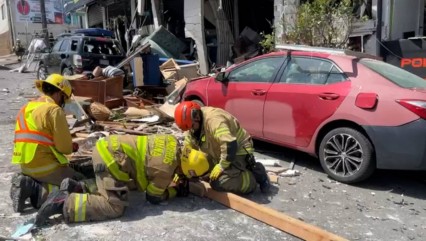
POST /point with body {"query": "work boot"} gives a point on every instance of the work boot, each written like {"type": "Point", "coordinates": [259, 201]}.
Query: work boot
{"type": "Point", "coordinates": [261, 177]}
{"type": "Point", "coordinates": [53, 205]}
{"type": "Point", "coordinates": [35, 198]}
{"type": "Point", "coordinates": [22, 188]}
{"type": "Point", "coordinates": [71, 185]}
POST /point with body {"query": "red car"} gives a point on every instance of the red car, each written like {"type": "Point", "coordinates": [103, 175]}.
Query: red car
{"type": "Point", "coordinates": [356, 114]}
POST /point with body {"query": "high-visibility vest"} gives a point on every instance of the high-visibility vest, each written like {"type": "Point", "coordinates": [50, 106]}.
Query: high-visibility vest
{"type": "Point", "coordinates": [28, 137]}
{"type": "Point", "coordinates": [138, 155]}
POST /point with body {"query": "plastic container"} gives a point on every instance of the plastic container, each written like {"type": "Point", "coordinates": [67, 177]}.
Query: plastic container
{"type": "Point", "coordinates": [151, 70]}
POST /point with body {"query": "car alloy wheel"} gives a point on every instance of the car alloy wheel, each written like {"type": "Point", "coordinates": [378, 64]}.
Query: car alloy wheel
{"type": "Point", "coordinates": [343, 155]}
{"type": "Point", "coordinates": [347, 155]}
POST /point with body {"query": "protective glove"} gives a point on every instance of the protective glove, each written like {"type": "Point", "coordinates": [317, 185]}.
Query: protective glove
{"type": "Point", "coordinates": [217, 170]}
{"type": "Point", "coordinates": [75, 147]}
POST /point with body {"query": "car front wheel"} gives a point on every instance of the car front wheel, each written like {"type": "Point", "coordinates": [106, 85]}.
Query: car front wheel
{"type": "Point", "coordinates": [41, 72]}
{"type": "Point", "coordinates": [347, 155]}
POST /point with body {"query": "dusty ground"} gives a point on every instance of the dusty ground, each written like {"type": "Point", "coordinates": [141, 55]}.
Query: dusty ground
{"type": "Point", "coordinates": [389, 206]}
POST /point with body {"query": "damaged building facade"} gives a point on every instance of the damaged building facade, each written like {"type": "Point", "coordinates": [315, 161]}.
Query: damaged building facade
{"type": "Point", "coordinates": [213, 31]}
{"type": "Point", "coordinates": [219, 32]}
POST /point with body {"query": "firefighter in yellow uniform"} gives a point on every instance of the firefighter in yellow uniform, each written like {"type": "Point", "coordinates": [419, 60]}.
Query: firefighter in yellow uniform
{"type": "Point", "coordinates": [41, 139]}
{"type": "Point", "coordinates": [216, 137]}
{"type": "Point", "coordinates": [121, 163]}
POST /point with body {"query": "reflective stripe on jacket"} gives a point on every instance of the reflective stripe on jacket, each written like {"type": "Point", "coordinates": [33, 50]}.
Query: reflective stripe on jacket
{"type": "Point", "coordinates": [27, 139]}
{"type": "Point", "coordinates": [222, 137]}
{"type": "Point", "coordinates": [148, 160]}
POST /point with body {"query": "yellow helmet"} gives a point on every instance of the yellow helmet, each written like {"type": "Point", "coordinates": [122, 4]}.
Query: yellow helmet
{"type": "Point", "coordinates": [58, 81]}
{"type": "Point", "coordinates": [194, 163]}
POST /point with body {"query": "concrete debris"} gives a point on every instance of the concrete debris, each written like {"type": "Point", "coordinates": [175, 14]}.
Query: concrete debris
{"type": "Point", "coordinates": [136, 112]}
{"type": "Point", "coordinates": [99, 134]}
{"type": "Point", "coordinates": [276, 170]}
{"type": "Point", "coordinates": [3, 67]}
{"type": "Point", "coordinates": [290, 173]}
{"type": "Point", "coordinates": [269, 162]}
{"type": "Point", "coordinates": [141, 127]}
{"type": "Point", "coordinates": [150, 119]}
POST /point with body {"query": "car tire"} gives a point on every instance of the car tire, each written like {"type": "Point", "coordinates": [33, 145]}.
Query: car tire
{"type": "Point", "coordinates": [199, 102]}
{"type": "Point", "coordinates": [67, 71]}
{"type": "Point", "coordinates": [347, 155]}
{"type": "Point", "coordinates": [41, 72]}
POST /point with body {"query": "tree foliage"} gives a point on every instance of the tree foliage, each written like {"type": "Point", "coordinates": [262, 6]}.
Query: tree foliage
{"type": "Point", "coordinates": [325, 23]}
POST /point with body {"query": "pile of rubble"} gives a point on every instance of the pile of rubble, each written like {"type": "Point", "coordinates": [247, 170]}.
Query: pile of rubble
{"type": "Point", "coordinates": [138, 116]}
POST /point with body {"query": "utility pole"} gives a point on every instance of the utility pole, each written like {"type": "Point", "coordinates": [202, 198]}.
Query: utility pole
{"type": "Point", "coordinates": [44, 22]}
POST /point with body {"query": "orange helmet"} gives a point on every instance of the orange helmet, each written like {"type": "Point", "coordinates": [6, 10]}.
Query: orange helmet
{"type": "Point", "coordinates": [184, 113]}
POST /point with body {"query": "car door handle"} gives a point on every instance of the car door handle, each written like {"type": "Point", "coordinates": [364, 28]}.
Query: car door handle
{"type": "Point", "coordinates": [329, 96]}
{"type": "Point", "coordinates": [258, 92]}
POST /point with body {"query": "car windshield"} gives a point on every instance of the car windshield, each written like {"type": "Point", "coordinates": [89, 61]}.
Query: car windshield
{"type": "Point", "coordinates": [394, 74]}
{"type": "Point", "coordinates": [101, 47]}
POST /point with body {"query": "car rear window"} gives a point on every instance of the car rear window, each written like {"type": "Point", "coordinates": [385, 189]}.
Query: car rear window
{"type": "Point", "coordinates": [101, 47]}
{"type": "Point", "coordinates": [394, 74]}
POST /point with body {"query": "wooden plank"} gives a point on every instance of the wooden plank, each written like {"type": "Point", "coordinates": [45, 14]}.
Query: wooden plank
{"type": "Point", "coordinates": [133, 132]}
{"type": "Point", "coordinates": [82, 135]}
{"type": "Point", "coordinates": [266, 215]}
{"type": "Point", "coordinates": [273, 178]}
{"type": "Point", "coordinates": [112, 124]}
{"type": "Point", "coordinates": [275, 169]}
{"type": "Point", "coordinates": [137, 68]}
{"type": "Point", "coordinates": [77, 129]}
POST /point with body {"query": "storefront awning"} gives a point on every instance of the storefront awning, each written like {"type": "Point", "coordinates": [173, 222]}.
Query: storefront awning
{"type": "Point", "coordinates": [73, 5]}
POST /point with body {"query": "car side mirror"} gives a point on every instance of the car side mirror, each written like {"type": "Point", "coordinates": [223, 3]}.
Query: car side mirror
{"type": "Point", "coordinates": [221, 77]}
{"type": "Point", "coordinates": [64, 56]}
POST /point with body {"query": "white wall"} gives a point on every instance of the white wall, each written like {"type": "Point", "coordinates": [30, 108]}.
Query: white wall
{"type": "Point", "coordinates": [4, 23]}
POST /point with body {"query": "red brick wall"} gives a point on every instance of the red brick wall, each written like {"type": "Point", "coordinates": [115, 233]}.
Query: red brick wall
{"type": "Point", "coordinates": [5, 46]}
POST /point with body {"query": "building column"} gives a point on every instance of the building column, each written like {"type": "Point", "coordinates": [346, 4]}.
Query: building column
{"type": "Point", "coordinates": [285, 11]}
{"type": "Point", "coordinates": [104, 17]}
{"type": "Point", "coordinates": [156, 13]}
{"type": "Point", "coordinates": [224, 34]}
{"type": "Point", "coordinates": [194, 28]}
{"type": "Point", "coordinates": [85, 20]}
{"type": "Point", "coordinates": [133, 6]}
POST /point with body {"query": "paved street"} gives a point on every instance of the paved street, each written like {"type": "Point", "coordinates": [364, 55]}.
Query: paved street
{"type": "Point", "coordinates": [389, 206]}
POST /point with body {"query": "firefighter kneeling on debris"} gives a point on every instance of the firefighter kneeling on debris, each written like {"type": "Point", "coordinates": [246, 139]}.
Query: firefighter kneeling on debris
{"type": "Point", "coordinates": [121, 163]}
{"type": "Point", "coordinates": [42, 138]}
{"type": "Point", "coordinates": [216, 143]}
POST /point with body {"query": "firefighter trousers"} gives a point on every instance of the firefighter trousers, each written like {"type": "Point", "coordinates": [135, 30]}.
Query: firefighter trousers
{"type": "Point", "coordinates": [51, 182]}
{"type": "Point", "coordinates": [108, 202]}
{"type": "Point", "coordinates": [236, 179]}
